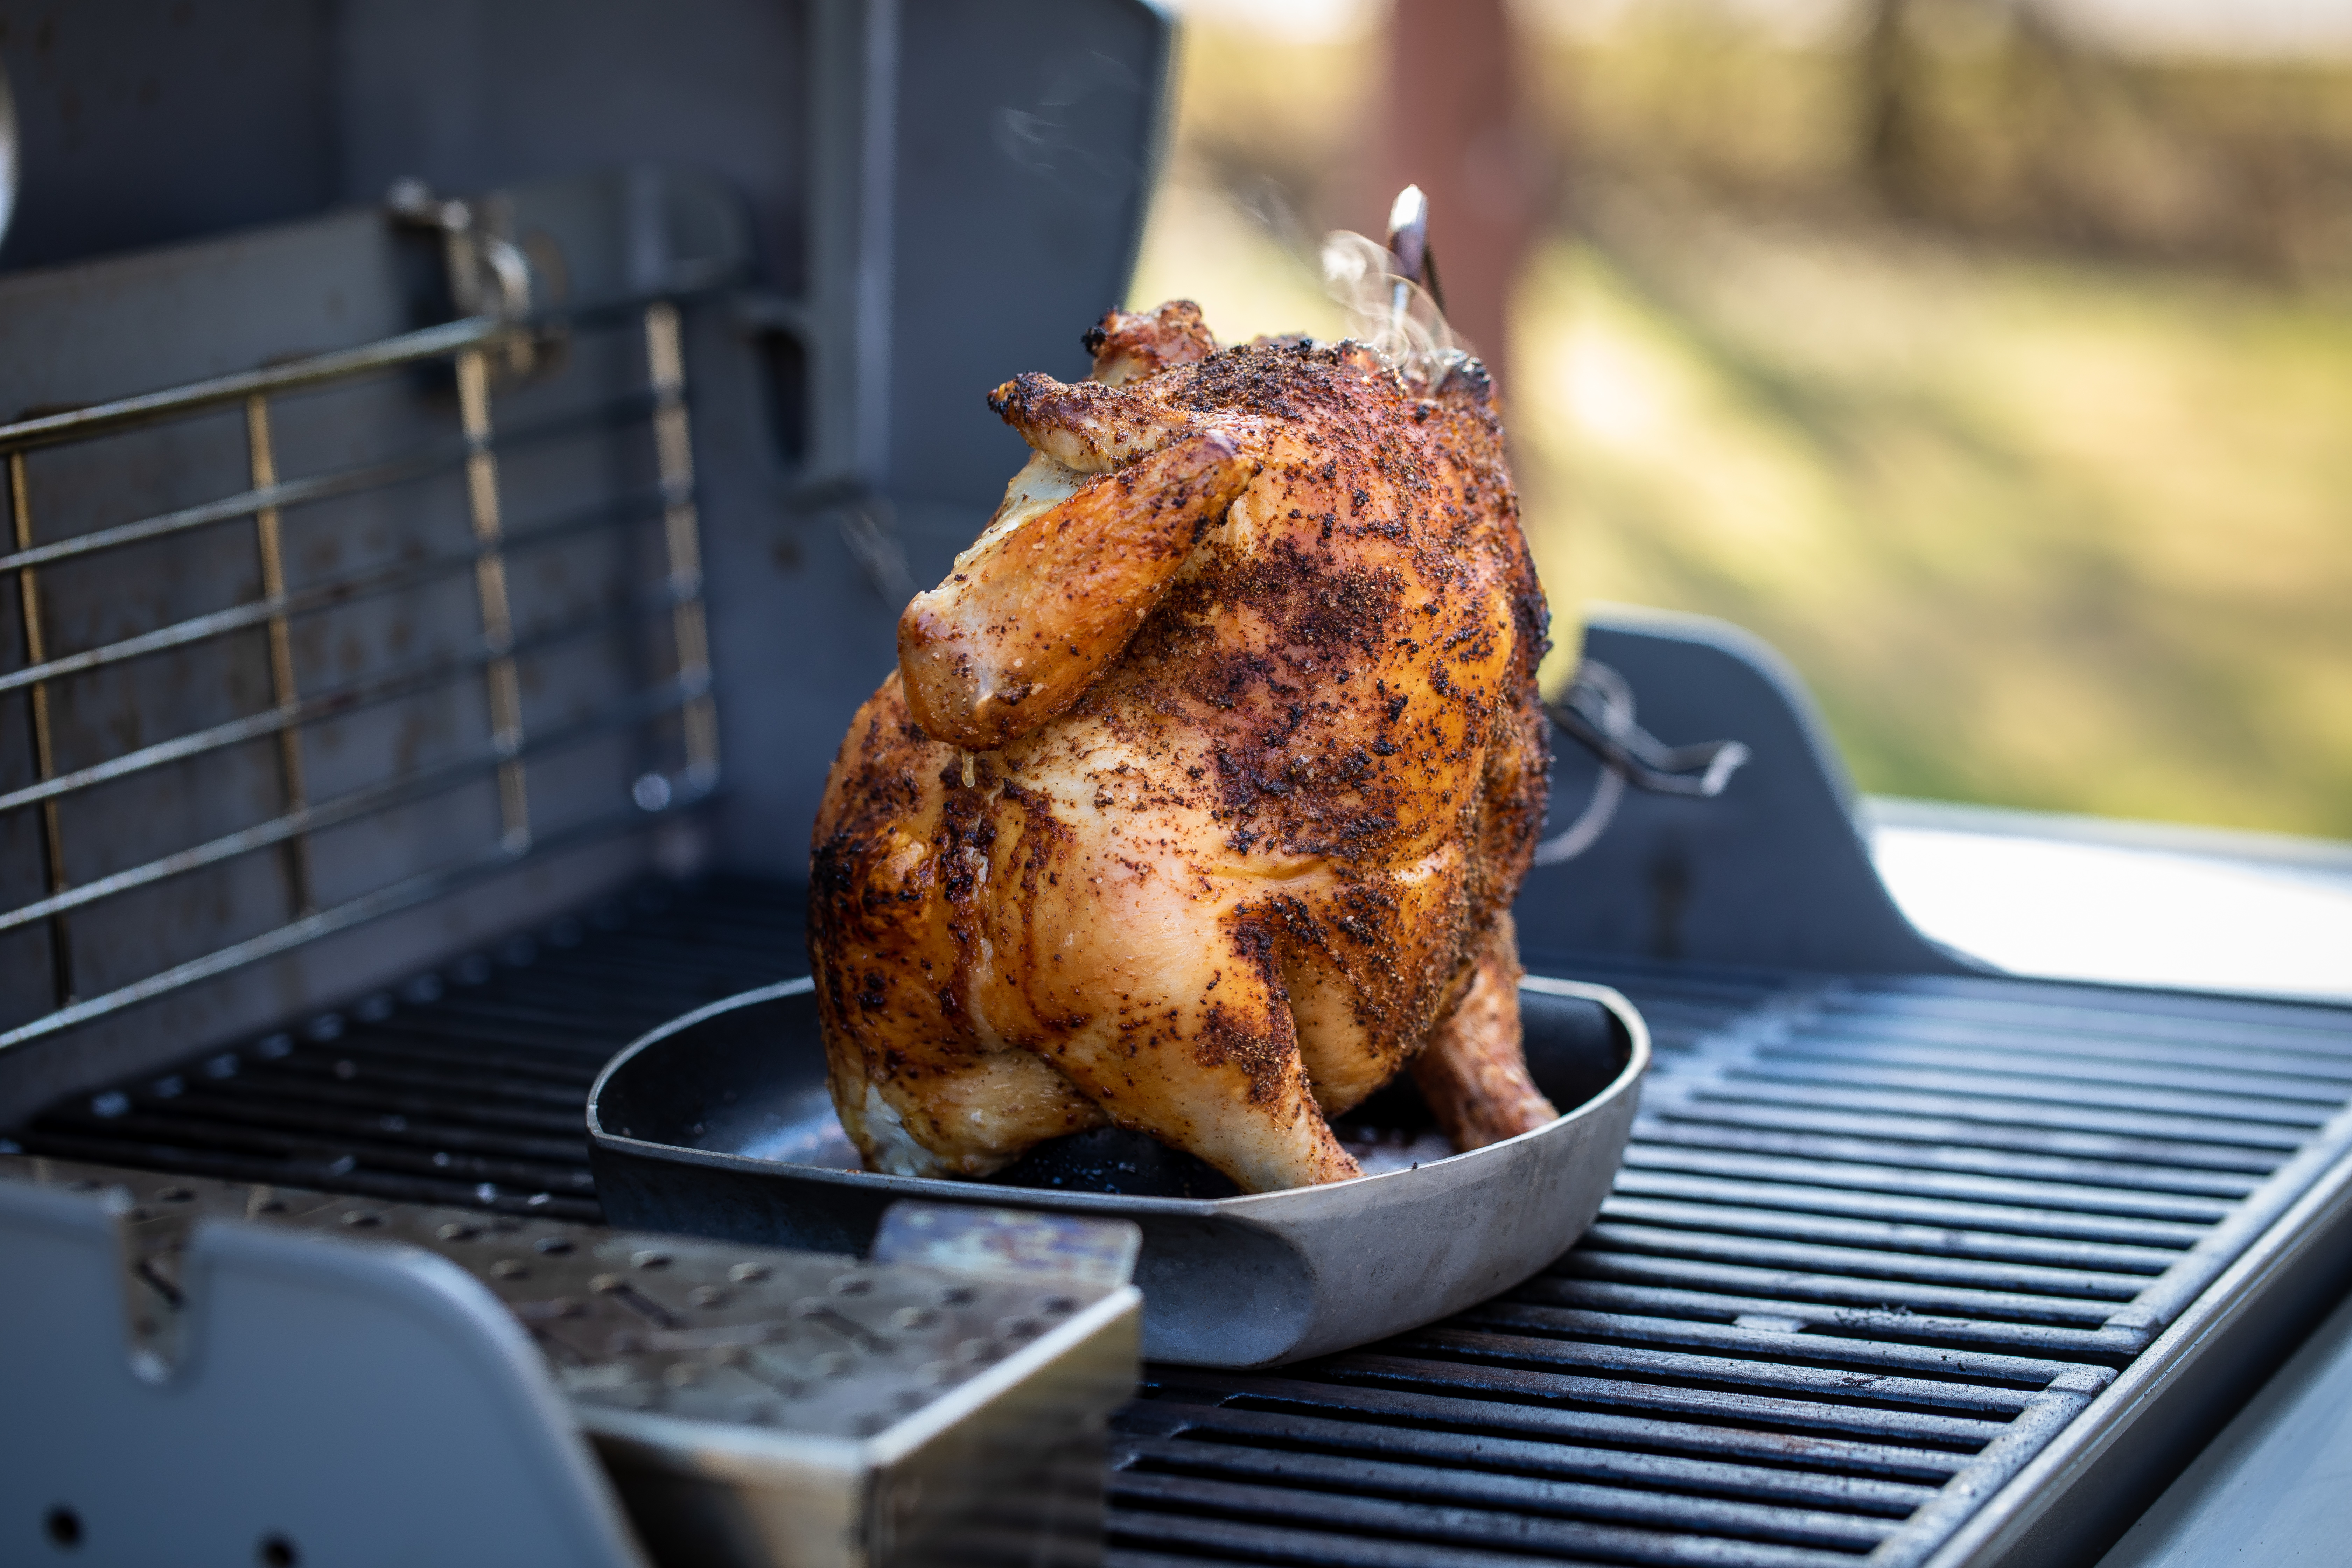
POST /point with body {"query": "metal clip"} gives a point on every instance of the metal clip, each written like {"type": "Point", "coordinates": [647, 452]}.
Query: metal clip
{"type": "Point", "coordinates": [488, 275]}
{"type": "Point", "coordinates": [1596, 711]}
{"type": "Point", "coordinates": [151, 1248]}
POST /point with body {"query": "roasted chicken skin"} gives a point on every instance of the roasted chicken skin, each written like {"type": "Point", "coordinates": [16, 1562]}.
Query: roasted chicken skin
{"type": "Point", "coordinates": [1201, 793]}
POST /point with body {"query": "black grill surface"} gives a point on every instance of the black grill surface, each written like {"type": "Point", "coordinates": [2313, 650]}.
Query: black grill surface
{"type": "Point", "coordinates": [1876, 1242]}
{"type": "Point", "coordinates": [467, 1085]}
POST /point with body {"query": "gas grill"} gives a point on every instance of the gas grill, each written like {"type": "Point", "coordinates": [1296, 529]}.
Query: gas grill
{"type": "Point", "coordinates": [431, 621]}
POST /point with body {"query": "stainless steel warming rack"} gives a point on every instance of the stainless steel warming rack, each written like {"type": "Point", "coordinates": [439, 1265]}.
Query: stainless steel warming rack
{"type": "Point", "coordinates": [667, 710]}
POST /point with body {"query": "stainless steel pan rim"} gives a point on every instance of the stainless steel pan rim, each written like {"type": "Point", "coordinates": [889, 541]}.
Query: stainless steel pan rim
{"type": "Point", "coordinates": [1245, 1281]}
{"type": "Point", "coordinates": [1637, 1064]}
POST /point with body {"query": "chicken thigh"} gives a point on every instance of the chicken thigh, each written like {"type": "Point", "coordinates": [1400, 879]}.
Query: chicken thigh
{"type": "Point", "coordinates": [1199, 798]}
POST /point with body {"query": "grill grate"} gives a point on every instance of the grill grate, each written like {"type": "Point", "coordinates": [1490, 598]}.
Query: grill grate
{"type": "Point", "coordinates": [467, 1085]}
{"type": "Point", "coordinates": [1874, 1244]}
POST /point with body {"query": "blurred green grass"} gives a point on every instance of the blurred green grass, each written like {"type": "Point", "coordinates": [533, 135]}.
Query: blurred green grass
{"type": "Point", "coordinates": [2040, 530]}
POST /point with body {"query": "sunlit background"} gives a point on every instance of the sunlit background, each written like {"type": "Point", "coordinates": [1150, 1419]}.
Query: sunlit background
{"type": "Point", "coordinates": [1993, 358]}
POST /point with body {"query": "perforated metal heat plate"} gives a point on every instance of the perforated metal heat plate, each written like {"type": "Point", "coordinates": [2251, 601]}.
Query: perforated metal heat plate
{"type": "Point", "coordinates": [696, 1330]}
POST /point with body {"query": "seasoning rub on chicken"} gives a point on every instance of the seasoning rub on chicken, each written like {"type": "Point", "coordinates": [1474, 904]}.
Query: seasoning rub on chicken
{"type": "Point", "coordinates": [1199, 795]}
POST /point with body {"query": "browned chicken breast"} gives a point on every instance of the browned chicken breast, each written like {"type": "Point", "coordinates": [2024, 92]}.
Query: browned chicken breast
{"type": "Point", "coordinates": [1201, 793]}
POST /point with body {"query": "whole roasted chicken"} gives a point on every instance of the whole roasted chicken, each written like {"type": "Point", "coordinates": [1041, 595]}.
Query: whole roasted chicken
{"type": "Point", "coordinates": [1199, 798]}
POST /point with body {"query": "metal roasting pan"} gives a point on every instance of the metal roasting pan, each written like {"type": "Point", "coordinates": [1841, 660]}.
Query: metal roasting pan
{"type": "Point", "coordinates": [719, 1124]}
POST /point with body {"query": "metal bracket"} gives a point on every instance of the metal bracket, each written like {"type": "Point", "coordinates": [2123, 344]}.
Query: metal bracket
{"type": "Point", "coordinates": [1774, 872]}
{"type": "Point", "coordinates": [489, 274]}
{"type": "Point", "coordinates": [1596, 711]}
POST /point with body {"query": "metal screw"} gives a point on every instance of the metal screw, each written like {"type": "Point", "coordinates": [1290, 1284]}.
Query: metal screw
{"type": "Point", "coordinates": [851, 1285]}
{"type": "Point", "coordinates": [554, 1246]}
{"type": "Point", "coordinates": [649, 1259]}
{"type": "Point", "coordinates": [745, 1273]}
{"type": "Point", "coordinates": [458, 1231]}
{"type": "Point", "coordinates": [510, 1268]}
{"type": "Point", "coordinates": [706, 1296]}
{"type": "Point", "coordinates": [913, 1318]}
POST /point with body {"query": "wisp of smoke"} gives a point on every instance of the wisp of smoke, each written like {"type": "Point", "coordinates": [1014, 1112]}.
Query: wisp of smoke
{"type": "Point", "coordinates": [1391, 314]}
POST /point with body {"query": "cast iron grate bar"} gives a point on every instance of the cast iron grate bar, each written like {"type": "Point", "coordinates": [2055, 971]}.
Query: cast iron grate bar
{"type": "Point", "coordinates": [1874, 1244]}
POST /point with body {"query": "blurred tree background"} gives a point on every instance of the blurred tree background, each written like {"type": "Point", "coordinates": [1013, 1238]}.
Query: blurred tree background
{"type": "Point", "coordinates": [1991, 358]}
